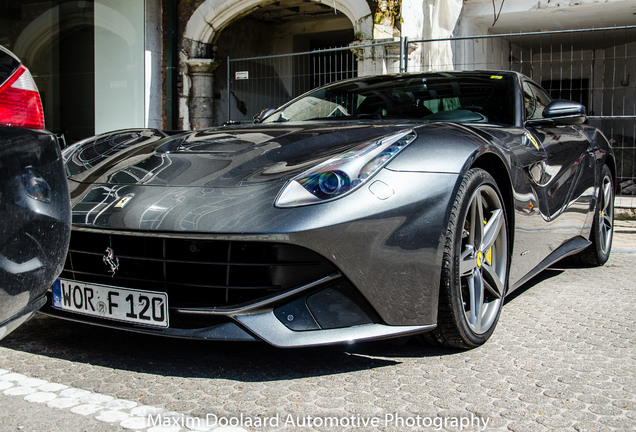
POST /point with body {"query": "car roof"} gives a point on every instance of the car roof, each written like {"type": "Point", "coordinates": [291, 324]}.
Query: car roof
{"type": "Point", "coordinates": [469, 74]}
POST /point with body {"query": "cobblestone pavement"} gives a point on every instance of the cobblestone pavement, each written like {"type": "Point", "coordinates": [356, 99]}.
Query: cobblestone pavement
{"type": "Point", "coordinates": [563, 358]}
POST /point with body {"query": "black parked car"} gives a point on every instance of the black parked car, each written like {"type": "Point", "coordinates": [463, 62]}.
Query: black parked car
{"type": "Point", "coordinates": [371, 208]}
{"type": "Point", "coordinates": [34, 201]}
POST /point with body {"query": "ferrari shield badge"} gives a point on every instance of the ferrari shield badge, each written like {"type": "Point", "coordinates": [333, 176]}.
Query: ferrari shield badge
{"type": "Point", "coordinates": [122, 202]}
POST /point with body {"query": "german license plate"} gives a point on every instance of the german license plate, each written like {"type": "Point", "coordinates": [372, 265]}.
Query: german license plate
{"type": "Point", "coordinates": [120, 304]}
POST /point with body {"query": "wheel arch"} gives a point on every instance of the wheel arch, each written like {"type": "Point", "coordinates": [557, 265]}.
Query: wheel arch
{"type": "Point", "coordinates": [496, 167]}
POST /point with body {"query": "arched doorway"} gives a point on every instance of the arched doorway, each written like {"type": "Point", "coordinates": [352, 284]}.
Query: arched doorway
{"type": "Point", "coordinates": [220, 28]}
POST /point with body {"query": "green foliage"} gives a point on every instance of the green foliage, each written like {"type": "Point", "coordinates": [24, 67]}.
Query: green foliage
{"type": "Point", "coordinates": [388, 12]}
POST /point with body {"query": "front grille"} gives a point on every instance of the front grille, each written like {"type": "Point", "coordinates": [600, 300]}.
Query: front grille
{"type": "Point", "coordinates": [194, 273]}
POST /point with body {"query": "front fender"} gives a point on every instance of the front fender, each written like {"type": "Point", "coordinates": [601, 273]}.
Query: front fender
{"type": "Point", "coordinates": [443, 148]}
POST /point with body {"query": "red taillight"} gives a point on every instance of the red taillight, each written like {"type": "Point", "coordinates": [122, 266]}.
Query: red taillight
{"type": "Point", "coordinates": [20, 103]}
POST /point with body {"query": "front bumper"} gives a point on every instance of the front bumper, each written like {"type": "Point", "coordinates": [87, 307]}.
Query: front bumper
{"type": "Point", "coordinates": [383, 257]}
{"type": "Point", "coordinates": [315, 314]}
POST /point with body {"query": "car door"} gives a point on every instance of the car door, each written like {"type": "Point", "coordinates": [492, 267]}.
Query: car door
{"type": "Point", "coordinates": [564, 180]}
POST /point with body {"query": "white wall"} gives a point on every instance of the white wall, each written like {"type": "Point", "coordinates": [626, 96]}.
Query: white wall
{"type": "Point", "coordinates": [153, 90]}
{"type": "Point", "coordinates": [119, 65]}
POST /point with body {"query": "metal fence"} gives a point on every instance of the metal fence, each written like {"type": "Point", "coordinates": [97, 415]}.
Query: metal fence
{"type": "Point", "coordinates": [256, 83]}
{"type": "Point", "coordinates": [596, 67]}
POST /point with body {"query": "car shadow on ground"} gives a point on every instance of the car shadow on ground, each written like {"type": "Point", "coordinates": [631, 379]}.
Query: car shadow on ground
{"type": "Point", "coordinates": [242, 361]}
{"type": "Point", "coordinates": [545, 275]}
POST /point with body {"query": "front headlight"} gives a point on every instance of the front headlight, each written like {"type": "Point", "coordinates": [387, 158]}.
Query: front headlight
{"type": "Point", "coordinates": [343, 173]}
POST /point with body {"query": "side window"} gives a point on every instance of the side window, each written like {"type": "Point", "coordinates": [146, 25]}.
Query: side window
{"type": "Point", "coordinates": [535, 100]}
{"type": "Point", "coordinates": [528, 101]}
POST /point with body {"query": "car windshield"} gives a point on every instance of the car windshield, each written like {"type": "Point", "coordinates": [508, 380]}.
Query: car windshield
{"type": "Point", "coordinates": [439, 96]}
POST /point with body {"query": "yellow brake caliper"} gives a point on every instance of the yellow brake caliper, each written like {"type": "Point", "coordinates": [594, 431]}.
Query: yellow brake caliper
{"type": "Point", "coordinates": [489, 252]}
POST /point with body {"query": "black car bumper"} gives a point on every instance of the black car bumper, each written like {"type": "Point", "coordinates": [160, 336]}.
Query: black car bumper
{"type": "Point", "coordinates": [35, 227]}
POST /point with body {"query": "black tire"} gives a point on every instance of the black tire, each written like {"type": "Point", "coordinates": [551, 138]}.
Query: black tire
{"type": "Point", "coordinates": [602, 232]}
{"type": "Point", "coordinates": [474, 266]}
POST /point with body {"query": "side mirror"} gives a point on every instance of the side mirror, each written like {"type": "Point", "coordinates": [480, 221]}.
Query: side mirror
{"type": "Point", "coordinates": [262, 115]}
{"type": "Point", "coordinates": [561, 112]}
{"type": "Point", "coordinates": [565, 110]}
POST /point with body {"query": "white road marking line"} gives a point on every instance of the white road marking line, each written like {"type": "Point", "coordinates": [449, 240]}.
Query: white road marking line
{"type": "Point", "coordinates": [128, 414]}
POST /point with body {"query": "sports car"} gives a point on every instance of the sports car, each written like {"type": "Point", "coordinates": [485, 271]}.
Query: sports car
{"type": "Point", "coordinates": [371, 208]}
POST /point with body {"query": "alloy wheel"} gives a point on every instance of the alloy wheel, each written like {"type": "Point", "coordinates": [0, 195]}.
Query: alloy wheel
{"type": "Point", "coordinates": [483, 259]}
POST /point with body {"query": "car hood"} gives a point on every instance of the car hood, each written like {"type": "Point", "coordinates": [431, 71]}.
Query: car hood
{"type": "Point", "coordinates": [218, 180]}
{"type": "Point", "coordinates": [221, 158]}
{"type": "Point", "coordinates": [226, 180]}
